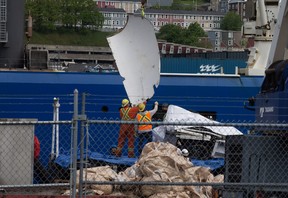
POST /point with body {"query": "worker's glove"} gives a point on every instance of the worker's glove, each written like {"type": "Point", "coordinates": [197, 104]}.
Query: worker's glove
{"type": "Point", "coordinates": [156, 103]}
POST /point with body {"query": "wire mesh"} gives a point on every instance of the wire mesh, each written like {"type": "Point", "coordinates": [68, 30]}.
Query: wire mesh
{"type": "Point", "coordinates": [188, 159]}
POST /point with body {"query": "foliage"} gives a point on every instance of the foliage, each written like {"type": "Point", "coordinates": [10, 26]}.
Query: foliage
{"type": "Point", "coordinates": [231, 21]}
{"type": "Point", "coordinates": [50, 14]}
{"type": "Point", "coordinates": [90, 38]}
{"type": "Point", "coordinates": [186, 36]}
{"type": "Point", "coordinates": [186, 4]}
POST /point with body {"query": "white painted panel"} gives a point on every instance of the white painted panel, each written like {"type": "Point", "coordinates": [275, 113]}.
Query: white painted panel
{"type": "Point", "coordinates": [16, 154]}
{"type": "Point", "coordinates": [136, 53]}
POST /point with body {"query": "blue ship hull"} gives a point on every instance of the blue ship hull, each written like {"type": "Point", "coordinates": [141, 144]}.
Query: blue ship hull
{"type": "Point", "coordinates": [31, 94]}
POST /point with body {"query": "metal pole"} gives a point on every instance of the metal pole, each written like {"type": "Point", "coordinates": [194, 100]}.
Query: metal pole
{"type": "Point", "coordinates": [52, 156]}
{"type": "Point", "coordinates": [74, 143]}
{"type": "Point", "coordinates": [82, 146]}
{"type": "Point", "coordinates": [57, 127]}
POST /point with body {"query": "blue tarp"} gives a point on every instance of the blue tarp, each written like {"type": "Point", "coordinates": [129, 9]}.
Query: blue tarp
{"type": "Point", "coordinates": [64, 160]}
{"type": "Point", "coordinates": [211, 163]}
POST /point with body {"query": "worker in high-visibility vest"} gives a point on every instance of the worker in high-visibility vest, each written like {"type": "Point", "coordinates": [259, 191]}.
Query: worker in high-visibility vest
{"type": "Point", "coordinates": [127, 113]}
{"type": "Point", "coordinates": [144, 131]}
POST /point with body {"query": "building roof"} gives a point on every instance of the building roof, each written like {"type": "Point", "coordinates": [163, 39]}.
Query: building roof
{"type": "Point", "coordinates": [237, 1]}
{"type": "Point", "coordinates": [184, 12]}
{"type": "Point", "coordinates": [134, 1]}
{"type": "Point", "coordinates": [120, 10]}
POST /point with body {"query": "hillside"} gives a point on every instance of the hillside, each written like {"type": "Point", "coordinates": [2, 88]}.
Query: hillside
{"type": "Point", "coordinates": [91, 38]}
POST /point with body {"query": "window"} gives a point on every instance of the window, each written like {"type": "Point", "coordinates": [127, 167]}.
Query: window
{"type": "Point", "coordinates": [179, 50]}
{"type": "Point", "coordinates": [187, 50]}
{"type": "Point", "coordinates": [172, 49]}
{"type": "Point", "coordinates": [230, 34]}
{"type": "Point", "coordinates": [230, 43]}
{"type": "Point", "coordinates": [163, 49]}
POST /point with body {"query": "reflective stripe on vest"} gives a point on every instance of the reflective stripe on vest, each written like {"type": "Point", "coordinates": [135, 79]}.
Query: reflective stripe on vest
{"type": "Point", "coordinates": [125, 114]}
{"type": "Point", "coordinates": [144, 118]}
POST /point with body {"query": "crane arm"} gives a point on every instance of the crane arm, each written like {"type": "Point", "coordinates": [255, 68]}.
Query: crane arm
{"type": "Point", "coordinates": [278, 50]}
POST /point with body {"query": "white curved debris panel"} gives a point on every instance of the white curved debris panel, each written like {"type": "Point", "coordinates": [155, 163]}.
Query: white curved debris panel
{"type": "Point", "coordinates": [135, 50]}
{"type": "Point", "coordinates": [178, 114]}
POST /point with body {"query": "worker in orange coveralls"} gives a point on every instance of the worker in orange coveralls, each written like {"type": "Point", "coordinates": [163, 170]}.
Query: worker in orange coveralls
{"type": "Point", "coordinates": [39, 170]}
{"type": "Point", "coordinates": [127, 113]}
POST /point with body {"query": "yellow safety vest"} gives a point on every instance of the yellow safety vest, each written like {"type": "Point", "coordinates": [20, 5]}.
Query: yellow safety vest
{"type": "Point", "coordinates": [125, 112]}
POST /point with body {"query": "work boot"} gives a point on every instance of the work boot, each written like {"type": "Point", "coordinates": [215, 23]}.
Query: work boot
{"type": "Point", "coordinates": [118, 152]}
{"type": "Point", "coordinates": [131, 155]}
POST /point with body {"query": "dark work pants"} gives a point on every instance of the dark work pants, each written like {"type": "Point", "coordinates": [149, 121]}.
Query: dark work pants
{"type": "Point", "coordinates": [40, 173]}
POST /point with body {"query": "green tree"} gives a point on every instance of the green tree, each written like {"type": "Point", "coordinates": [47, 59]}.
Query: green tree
{"type": "Point", "coordinates": [90, 15]}
{"type": "Point", "coordinates": [47, 14]}
{"type": "Point", "coordinates": [176, 34]}
{"type": "Point", "coordinates": [193, 33]}
{"type": "Point", "coordinates": [231, 21]}
{"type": "Point", "coordinates": [171, 33]}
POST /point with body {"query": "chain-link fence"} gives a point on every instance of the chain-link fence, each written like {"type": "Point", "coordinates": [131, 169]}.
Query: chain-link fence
{"type": "Point", "coordinates": [185, 155]}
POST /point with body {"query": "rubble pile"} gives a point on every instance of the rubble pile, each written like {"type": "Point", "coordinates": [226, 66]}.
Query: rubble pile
{"type": "Point", "coordinates": [159, 162]}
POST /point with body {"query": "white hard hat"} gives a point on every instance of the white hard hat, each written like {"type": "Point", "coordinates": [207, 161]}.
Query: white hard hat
{"type": "Point", "coordinates": [185, 152]}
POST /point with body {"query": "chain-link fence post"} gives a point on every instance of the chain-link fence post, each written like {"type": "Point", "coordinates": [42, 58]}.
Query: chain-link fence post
{"type": "Point", "coordinates": [83, 122]}
{"type": "Point", "coordinates": [74, 145]}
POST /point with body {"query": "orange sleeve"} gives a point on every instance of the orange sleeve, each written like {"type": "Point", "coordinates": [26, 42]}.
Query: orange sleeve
{"type": "Point", "coordinates": [36, 147]}
{"type": "Point", "coordinates": [133, 112]}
